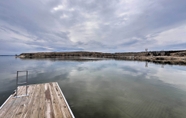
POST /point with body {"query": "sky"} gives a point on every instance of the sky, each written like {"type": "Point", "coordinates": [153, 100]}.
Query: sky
{"type": "Point", "coordinates": [91, 25]}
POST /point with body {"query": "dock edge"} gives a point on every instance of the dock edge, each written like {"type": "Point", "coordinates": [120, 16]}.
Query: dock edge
{"type": "Point", "coordinates": [6, 101]}
{"type": "Point", "coordinates": [66, 101]}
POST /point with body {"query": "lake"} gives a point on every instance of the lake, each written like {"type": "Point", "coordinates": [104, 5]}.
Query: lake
{"type": "Point", "coordinates": [105, 88]}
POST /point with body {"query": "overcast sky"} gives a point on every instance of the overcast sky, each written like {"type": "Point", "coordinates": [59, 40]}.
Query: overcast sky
{"type": "Point", "coordinates": [91, 25]}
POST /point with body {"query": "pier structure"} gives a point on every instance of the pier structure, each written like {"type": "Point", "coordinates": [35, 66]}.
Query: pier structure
{"type": "Point", "coordinates": [40, 101]}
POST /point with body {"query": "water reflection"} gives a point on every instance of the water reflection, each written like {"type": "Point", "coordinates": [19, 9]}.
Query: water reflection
{"type": "Point", "coordinates": [162, 65]}
{"type": "Point", "coordinates": [107, 88]}
{"type": "Point", "coordinates": [146, 64]}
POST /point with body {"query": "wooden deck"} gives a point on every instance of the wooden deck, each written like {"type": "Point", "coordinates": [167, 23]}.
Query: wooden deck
{"type": "Point", "coordinates": [43, 101]}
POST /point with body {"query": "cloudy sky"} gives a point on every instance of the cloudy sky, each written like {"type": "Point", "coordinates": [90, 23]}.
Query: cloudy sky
{"type": "Point", "coordinates": [91, 25]}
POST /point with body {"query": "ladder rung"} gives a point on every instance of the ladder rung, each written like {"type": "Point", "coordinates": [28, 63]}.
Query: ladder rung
{"type": "Point", "coordinates": [21, 83]}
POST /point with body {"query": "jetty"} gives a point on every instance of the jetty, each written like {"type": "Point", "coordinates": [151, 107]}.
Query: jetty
{"type": "Point", "coordinates": [36, 101]}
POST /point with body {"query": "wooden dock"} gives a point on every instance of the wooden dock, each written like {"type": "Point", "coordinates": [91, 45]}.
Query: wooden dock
{"type": "Point", "coordinates": [42, 101]}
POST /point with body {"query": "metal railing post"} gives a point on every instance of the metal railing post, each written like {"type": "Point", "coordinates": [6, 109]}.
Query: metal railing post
{"type": "Point", "coordinates": [16, 82]}
{"type": "Point", "coordinates": [26, 80]}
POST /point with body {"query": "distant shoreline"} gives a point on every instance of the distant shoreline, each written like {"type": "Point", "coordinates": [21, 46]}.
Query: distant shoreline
{"type": "Point", "coordinates": [7, 55]}
{"type": "Point", "coordinates": [164, 57]}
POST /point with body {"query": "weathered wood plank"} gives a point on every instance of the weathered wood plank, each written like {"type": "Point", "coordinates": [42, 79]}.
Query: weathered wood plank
{"type": "Point", "coordinates": [32, 103]}
{"type": "Point", "coordinates": [6, 106]}
{"type": "Point", "coordinates": [49, 113]}
{"type": "Point", "coordinates": [63, 105]}
{"type": "Point", "coordinates": [55, 103]}
{"type": "Point", "coordinates": [42, 102]}
{"type": "Point", "coordinates": [31, 93]}
{"type": "Point", "coordinates": [22, 107]}
{"type": "Point", "coordinates": [12, 109]}
{"type": "Point", "coordinates": [34, 107]}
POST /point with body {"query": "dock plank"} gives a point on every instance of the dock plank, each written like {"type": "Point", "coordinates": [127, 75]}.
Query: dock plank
{"type": "Point", "coordinates": [55, 102]}
{"type": "Point", "coordinates": [5, 108]}
{"type": "Point", "coordinates": [63, 105]}
{"type": "Point", "coordinates": [34, 105]}
{"type": "Point", "coordinates": [16, 102]}
{"type": "Point", "coordinates": [43, 101]}
{"type": "Point", "coordinates": [48, 103]}
{"type": "Point", "coordinates": [31, 93]}
{"type": "Point", "coordinates": [25, 101]}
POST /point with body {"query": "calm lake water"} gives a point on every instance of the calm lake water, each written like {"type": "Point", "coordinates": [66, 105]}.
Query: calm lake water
{"type": "Point", "coordinates": [106, 88]}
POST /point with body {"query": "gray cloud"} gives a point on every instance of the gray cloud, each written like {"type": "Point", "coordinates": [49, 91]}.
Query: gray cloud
{"type": "Point", "coordinates": [94, 25]}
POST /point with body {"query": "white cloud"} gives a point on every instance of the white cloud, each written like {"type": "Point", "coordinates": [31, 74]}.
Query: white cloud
{"type": "Point", "coordinates": [172, 36]}
{"type": "Point", "coordinates": [64, 16]}
{"type": "Point", "coordinates": [14, 34]}
{"type": "Point", "coordinates": [59, 7]}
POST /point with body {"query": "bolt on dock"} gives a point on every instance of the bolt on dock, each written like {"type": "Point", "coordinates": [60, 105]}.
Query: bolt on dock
{"type": "Point", "coordinates": [39, 101]}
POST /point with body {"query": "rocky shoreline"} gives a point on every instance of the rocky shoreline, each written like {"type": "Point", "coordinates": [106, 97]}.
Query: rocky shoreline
{"type": "Point", "coordinates": [177, 57]}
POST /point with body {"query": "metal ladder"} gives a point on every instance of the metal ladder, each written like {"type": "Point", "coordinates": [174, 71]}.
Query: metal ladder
{"type": "Point", "coordinates": [17, 84]}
